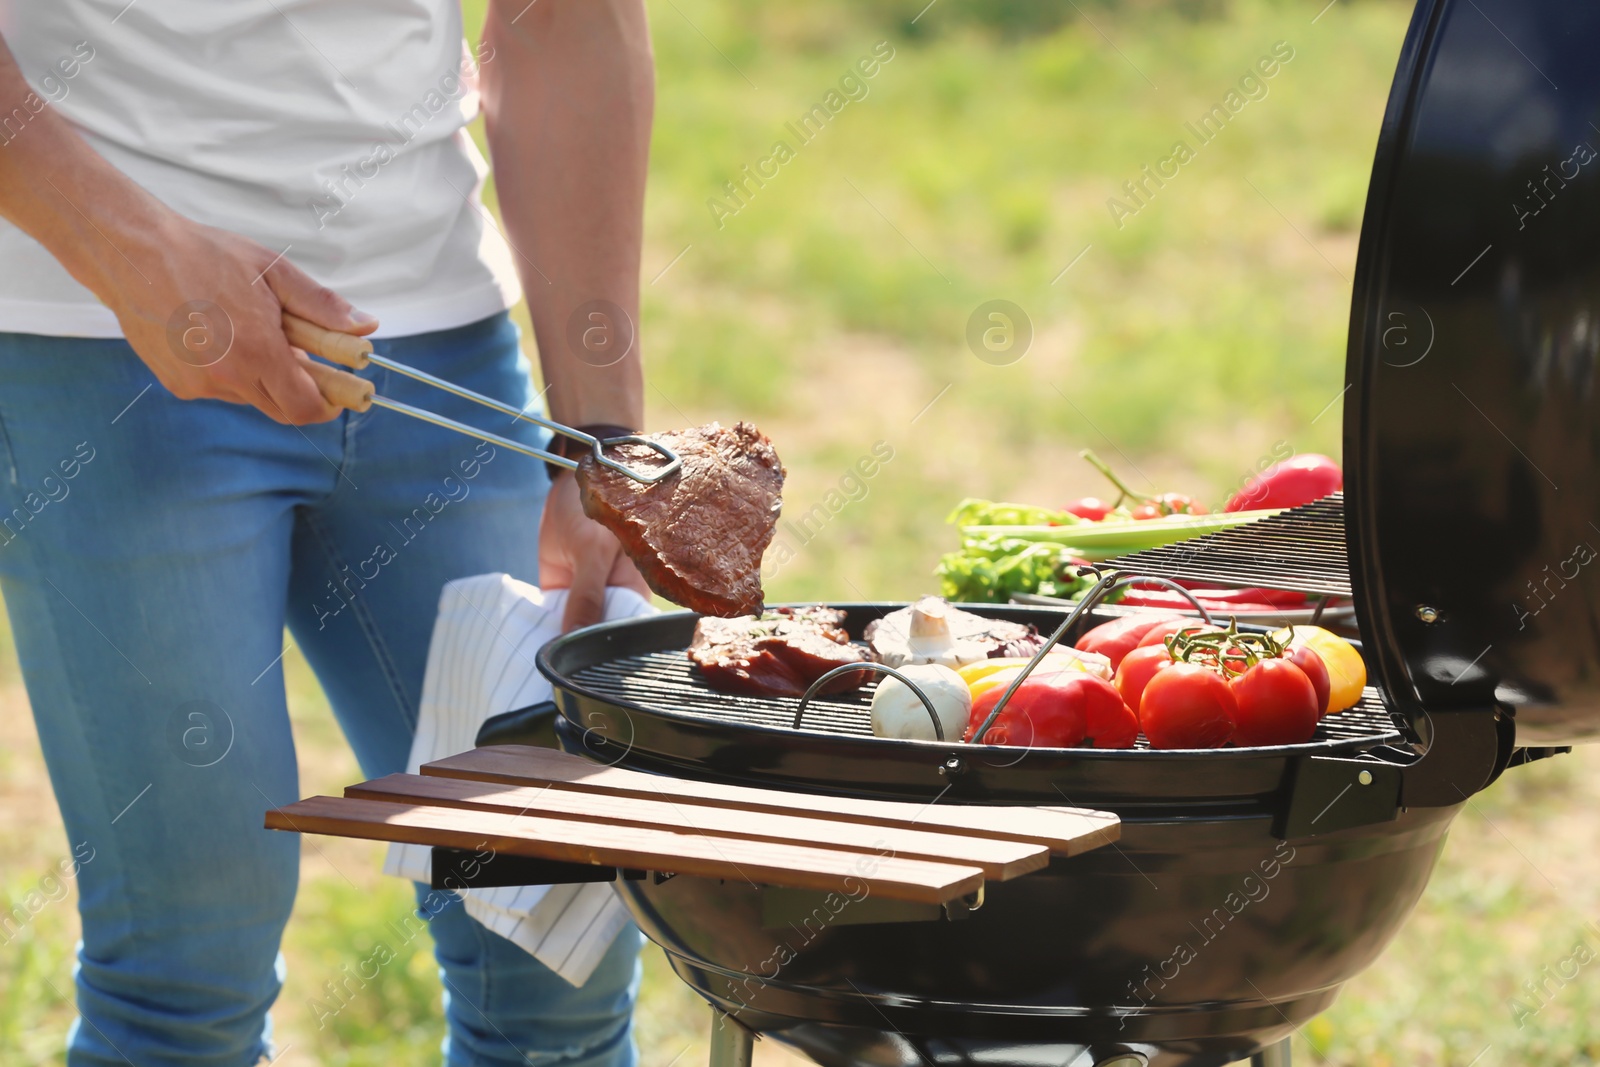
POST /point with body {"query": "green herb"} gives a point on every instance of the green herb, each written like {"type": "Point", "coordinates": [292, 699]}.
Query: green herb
{"type": "Point", "coordinates": [991, 569]}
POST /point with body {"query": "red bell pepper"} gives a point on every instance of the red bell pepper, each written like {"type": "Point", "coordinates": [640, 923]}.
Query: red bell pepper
{"type": "Point", "coordinates": [1061, 711]}
{"type": "Point", "coordinates": [1118, 637]}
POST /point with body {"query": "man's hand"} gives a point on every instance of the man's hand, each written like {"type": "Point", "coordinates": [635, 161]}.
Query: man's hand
{"type": "Point", "coordinates": [578, 554]}
{"type": "Point", "coordinates": [202, 307]}
{"type": "Point", "coordinates": [207, 319]}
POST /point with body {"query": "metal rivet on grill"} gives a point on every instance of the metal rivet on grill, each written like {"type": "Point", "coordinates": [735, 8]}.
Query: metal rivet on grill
{"type": "Point", "coordinates": [952, 766]}
{"type": "Point", "coordinates": [1427, 614]}
{"type": "Point", "coordinates": [1365, 777]}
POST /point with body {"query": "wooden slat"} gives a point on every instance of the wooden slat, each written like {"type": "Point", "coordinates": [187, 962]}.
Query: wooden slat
{"type": "Point", "coordinates": [766, 863]}
{"type": "Point", "coordinates": [1065, 831]}
{"type": "Point", "coordinates": [999, 860]}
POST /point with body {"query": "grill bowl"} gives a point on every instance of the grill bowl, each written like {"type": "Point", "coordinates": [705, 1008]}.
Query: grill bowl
{"type": "Point", "coordinates": [1056, 962]}
{"type": "Point", "coordinates": [1052, 965]}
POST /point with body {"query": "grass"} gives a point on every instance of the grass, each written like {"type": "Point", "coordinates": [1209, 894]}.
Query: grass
{"type": "Point", "coordinates": [832, 307]}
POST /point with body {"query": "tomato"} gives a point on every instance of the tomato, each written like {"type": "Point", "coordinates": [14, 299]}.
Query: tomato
{"type": "Point", "coordinates": [1297, 480]}
{"type": "Point", "coordinates": [1138, 667]}
{"type": "Point", "coordinates": [1158, 633]}
{"type": "Point", "coordinates": [1088, 507]}
{"type": "Point", "coordinates": [1276, 705]}
{"type": "Point", "coordinates": [1041, 712]}
{"type": "Point", "coordinates": [1347, 671]}
{"type": "Point", "coordinates": [1117, 638]}
{"type": "Point", "coordinates": [1179, 504]}
{"type": "Point", "coordinates": [1315, 671]}
{"type": "Point", "coordinates": [1187, 705]}
{"type": "Point", "coordinates": [1147, 511]}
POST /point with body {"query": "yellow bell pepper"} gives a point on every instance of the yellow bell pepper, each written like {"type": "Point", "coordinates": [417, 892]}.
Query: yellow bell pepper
{"type": "Point", "coordinates": [984, 676]}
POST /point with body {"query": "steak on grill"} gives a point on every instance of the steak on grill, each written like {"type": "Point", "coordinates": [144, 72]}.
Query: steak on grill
{"type": "Point", "coordinates": [697, 535]}
{"type": "Point", "coordinates": [778, 653]}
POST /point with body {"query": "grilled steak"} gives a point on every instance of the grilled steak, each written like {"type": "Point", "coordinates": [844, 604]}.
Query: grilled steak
{"type": "Point", "coordinates": [778, 653]}
{"type": "Point", "coordinates": [697, 535]}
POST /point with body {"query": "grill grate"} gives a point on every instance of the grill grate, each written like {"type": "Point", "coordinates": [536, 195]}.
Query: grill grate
{"type": "Point", "coordinates": [665, 683]}
{"type": "Point", "coordinates": [1301, 549]}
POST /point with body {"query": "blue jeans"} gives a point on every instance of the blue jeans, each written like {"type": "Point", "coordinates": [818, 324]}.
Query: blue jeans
{"type": "Point", "coordinates": [152, 551]}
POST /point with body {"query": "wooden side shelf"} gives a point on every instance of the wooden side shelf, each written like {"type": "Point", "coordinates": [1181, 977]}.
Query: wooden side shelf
{"type": "Point", "coordinates": [549, 805]}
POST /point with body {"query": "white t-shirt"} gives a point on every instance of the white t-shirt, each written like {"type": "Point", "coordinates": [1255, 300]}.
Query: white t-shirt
{"type": "Point", "coordinates": [329, 130]}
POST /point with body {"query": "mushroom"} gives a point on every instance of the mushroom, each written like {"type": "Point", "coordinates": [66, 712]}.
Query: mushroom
{"type": "Point", "coordinates": [898, 712]}
{"type": "Point", "coordinates": [932, 631]}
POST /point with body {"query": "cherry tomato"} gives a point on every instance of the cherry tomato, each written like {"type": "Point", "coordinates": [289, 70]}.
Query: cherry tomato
{"type": "Point", "coordinates": [1297, 480]}
{"type": "Point", "coordinates": [1089, 507]}
{"type": "Point", "coordinates": [1138, 667]}
{"type": "Point", "coordinates": [1315, 671]}
{"type": "Point", "coordinates": [1040, 713]}
{"type": "Point", "coordinates": [1179, 504]}
{"type": "Point", "coordinates": [1276, 705]}
{"type": "Point", "coordinates": [1158, 633]}
{"type": "Point", "coordinates": [1187, 705]}
{"type": "Point", "coordinates": [1146, 511]}
{"type": "Point", "coordinates": [1118, 637]}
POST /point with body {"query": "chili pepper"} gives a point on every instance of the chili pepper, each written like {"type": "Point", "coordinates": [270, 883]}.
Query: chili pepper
{"type": "Point", "coordinates": [1284, 598]}
{"type": "Point", "coordinates": [1281, 597]}
{"type": "Point", "coordinates": [1150, 598]}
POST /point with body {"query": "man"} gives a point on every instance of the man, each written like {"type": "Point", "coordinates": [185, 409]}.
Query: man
{"type": "Point", "coordinates": [174, 489]}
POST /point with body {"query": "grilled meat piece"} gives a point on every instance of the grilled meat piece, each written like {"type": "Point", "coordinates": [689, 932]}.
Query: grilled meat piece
{"type": "Point", "coordinates": [697, 535]}
{"type": "Point", "coordinates": [778, 653]}
{"type": "Point", "coordinates": [934, 631]}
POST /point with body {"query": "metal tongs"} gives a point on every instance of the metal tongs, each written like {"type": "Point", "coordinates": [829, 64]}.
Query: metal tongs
{"type": "Point", "coordinates": [358, 394]}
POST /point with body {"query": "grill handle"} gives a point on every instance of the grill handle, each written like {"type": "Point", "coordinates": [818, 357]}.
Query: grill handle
{"type": "Point", "coordinates": [1107, 585]}
{"type": "Point", "coordinates": [938, 730]}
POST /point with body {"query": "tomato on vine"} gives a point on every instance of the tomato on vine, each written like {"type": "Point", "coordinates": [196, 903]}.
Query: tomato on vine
{"type": "Point", "coordinates": [1188, 705]}
{"type": "Point", "coordinates": [1136, 670]}
{"type": "Point", "coordinates": [1144, 507]}
{"type": "Point", "coordinates": [1276, 705]}
{"type": "Point", "coordinates": [1316, 672]}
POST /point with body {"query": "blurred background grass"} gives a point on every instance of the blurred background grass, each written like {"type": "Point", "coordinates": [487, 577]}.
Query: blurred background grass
{"type": "Point", "coordinates": [832, 307]}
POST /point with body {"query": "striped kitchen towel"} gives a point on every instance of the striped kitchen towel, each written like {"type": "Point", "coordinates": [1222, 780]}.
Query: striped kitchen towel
{"type": "Point", "coordinates": [480, 663]}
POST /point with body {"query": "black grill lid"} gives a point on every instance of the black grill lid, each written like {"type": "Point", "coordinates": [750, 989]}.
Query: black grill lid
{"type": "Point", "coordinates": [1470, 425]}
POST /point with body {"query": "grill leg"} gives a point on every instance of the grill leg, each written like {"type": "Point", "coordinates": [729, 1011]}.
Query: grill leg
{"type": "Point", "coordinates": [1271, 1056]}
{"type": "Point", "coordinates": [731, 1043]}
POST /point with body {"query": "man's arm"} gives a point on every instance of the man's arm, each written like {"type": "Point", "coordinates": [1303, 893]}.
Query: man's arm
{"type": "Point", "coordinates": [569, 89]}
{"type": "Point", "coordinates": [145, 261]}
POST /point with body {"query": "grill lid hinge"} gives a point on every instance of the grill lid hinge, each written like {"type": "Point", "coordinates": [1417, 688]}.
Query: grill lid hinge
{"type": "Point", "coordinates": [1329, 793]}
{"type": "Point", "coordinates": [1464, 751]}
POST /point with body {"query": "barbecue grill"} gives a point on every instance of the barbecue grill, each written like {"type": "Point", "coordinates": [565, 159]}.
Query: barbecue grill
{"type": "Point", "coordinates": [1248, 884]}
